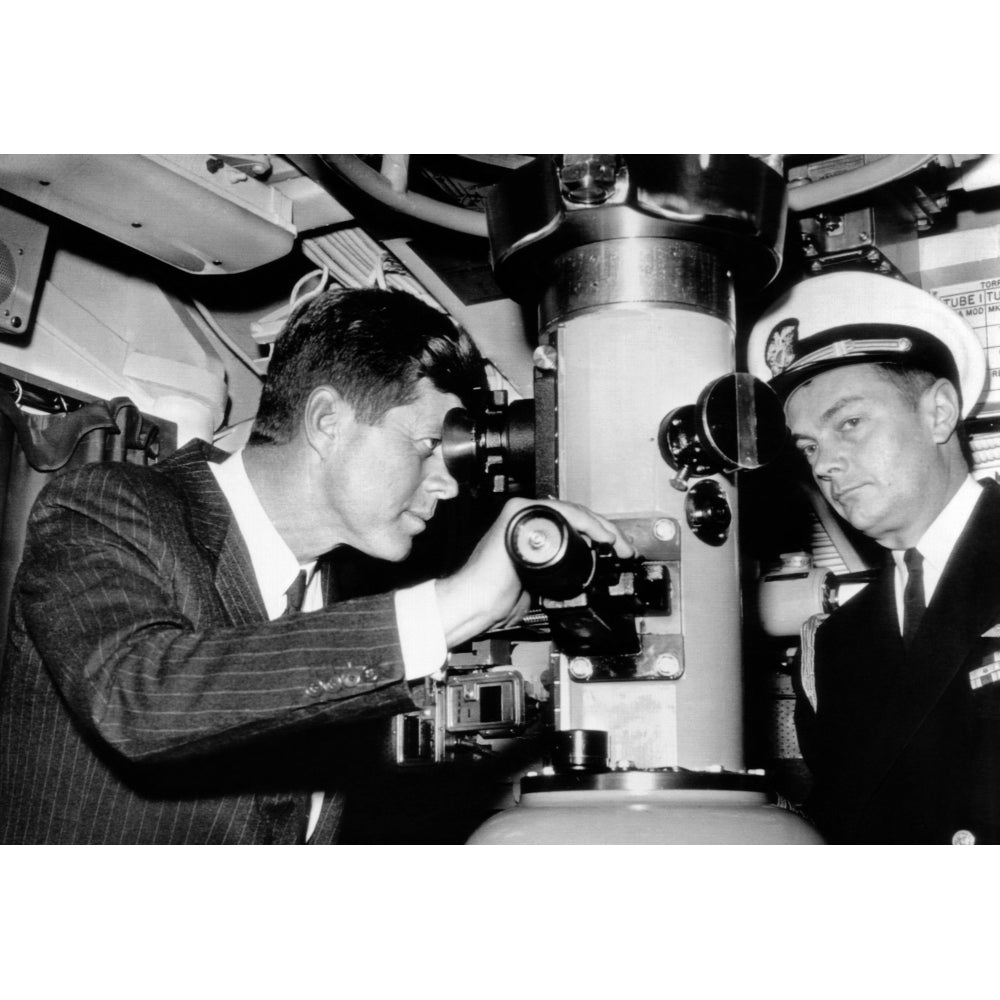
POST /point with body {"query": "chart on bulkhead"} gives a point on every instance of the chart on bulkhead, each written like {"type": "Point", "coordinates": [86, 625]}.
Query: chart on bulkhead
{"type": "Point", "coordinates": [979, 303]}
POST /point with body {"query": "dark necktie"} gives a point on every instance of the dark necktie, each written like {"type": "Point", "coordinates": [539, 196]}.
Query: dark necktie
{"type": "Point", "coordinates": [296, 593]}
{"type": "Point", "coordinates": [913, 594]}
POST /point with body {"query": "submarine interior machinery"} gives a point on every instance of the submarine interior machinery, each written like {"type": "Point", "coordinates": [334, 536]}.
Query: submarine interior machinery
{"type": "Point", "coordinates": [640, 701]}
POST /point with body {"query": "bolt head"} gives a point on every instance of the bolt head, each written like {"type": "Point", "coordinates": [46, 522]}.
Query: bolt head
{"type": "Point", "coordinates": [667, 665]}
{"type": "Point", "coordinates": [664, 529]}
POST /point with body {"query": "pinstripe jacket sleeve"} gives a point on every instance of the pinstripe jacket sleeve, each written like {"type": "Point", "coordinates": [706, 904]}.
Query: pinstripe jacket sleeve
{"type": "Point", "coordinates": [137, 592]}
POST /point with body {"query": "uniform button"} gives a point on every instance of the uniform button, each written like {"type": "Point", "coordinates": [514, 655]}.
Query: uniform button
{"type": "Point", "coordinates": [371, 674]}
{"type": "Point", "coordinates": [313, 690]}
{"type": "Point", "coordinates": [333, 684]}
{"type": "Point", "coordinates": [963, 837]}
{"type": "Point", "coordinates": [352, 678]}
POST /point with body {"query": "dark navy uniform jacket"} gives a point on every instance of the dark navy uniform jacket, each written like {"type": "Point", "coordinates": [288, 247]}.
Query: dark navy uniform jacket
{"type": "Point", "coordinates": [903, 747]}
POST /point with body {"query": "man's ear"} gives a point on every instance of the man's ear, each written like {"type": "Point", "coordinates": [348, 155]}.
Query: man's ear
{"type": "Point", "coordinates": [323, 417]}
{"type": "Point", "coordinates": [943, 409]}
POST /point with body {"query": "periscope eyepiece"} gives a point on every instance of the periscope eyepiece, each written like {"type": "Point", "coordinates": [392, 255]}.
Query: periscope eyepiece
{"type": "Point", "coordinates": [492, 450]}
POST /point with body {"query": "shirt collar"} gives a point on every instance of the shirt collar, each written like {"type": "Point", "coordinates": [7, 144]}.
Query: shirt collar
{"type": "Point", "coordinates": [940, 538]}
{"type": "Point", "coordinates": [274, 563]}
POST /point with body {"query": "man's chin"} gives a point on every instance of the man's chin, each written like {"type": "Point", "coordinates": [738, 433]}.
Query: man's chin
{"type": "Point", "coordinates": [399, 551]}
{"type": "Point", "coordinates": [397, 545]}
{"type": "Point", "coordinates": [396, 555]}
{"type": "Point", "coordinates": [853, 513]}
{"type": "Point", "coordinates": [865, 523]}
{"type": "Point", "coordinates": [394, 551]}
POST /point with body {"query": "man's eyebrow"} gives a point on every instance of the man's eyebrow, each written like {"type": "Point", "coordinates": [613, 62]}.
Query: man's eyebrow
{"type": "Point", "coordinates": [831, 411]}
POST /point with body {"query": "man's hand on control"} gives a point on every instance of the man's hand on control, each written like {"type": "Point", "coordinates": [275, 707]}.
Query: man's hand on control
{"type": "Point", "coordinates": [487, 591]}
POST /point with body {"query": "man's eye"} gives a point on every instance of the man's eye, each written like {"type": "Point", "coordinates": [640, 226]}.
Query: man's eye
{"type": "Point", "coordinates": [850, 423]}
{"type": "Point", "coordinates": [806, 450]}
{"type": "Point", "coordinates": [427, 445]}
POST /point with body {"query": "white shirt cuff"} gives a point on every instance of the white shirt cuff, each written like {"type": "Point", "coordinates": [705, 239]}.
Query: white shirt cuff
{"type": "Point", "coordinates": [421, 633]}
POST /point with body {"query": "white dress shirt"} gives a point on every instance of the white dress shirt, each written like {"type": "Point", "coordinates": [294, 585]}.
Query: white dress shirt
{"type": "Point", "coordinates": [937, 542]}
{"type": "Point", "coordinates": [421, 635]}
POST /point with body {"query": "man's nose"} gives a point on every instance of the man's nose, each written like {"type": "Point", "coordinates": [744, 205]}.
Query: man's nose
{"type": "Point", "coordinates": [438, 480]}
{"type": "Point", "coordinates": [826, 460]}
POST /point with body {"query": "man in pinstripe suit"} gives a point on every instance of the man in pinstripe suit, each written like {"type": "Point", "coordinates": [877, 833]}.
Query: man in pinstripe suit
{"type": "Point", "coordinates": [155, 689]}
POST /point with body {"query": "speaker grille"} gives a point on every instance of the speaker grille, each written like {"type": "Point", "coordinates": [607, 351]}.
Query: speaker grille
{"type": "Point", "coordinates": [8, 276]}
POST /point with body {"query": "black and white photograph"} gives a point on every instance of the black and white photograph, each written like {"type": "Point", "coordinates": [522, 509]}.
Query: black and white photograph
{"type": "Point", "coordinates": [564, 540]}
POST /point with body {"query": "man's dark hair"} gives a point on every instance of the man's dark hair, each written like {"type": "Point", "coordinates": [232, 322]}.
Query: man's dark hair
{"type": "Point", "coordinates": [373, 347]}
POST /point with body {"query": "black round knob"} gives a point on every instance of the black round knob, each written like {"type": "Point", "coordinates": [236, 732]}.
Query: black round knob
{"type": "Point", "coordinates": [551, 557]}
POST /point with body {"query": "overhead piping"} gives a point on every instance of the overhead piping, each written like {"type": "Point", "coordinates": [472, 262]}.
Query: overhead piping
{"type": "Point", "coordinates": [379, 187]}
{"type": "Point", "coordinates": [388, 186]}
{"type": "Point", "coordinates": [806, 197]}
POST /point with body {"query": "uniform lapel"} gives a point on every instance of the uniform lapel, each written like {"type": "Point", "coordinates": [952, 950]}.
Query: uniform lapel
{"type": "Point", "coordinates": [865, 643]}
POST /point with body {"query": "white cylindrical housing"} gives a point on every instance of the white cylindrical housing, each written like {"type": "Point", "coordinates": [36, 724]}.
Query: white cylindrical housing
{"type": "Point", "coordinates": [636, 350]}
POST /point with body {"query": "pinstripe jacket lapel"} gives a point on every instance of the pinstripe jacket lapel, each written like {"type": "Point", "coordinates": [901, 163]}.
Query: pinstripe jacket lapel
{"type": "Point", "coordinates": [214, 529]}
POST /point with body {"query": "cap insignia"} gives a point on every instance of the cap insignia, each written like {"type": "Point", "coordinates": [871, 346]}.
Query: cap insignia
{"type": "Point", "coordinates": [779, 351]}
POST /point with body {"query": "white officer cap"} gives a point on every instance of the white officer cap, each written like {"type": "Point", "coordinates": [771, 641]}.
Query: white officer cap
{"type": "Point", "coordinates": [856, 317]}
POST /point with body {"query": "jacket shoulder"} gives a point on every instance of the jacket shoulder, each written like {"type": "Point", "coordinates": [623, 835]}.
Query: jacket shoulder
{"type": "Point", "coordinates": [168, 475]}
{"type": "Point", "coordinates": [165, 498]}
